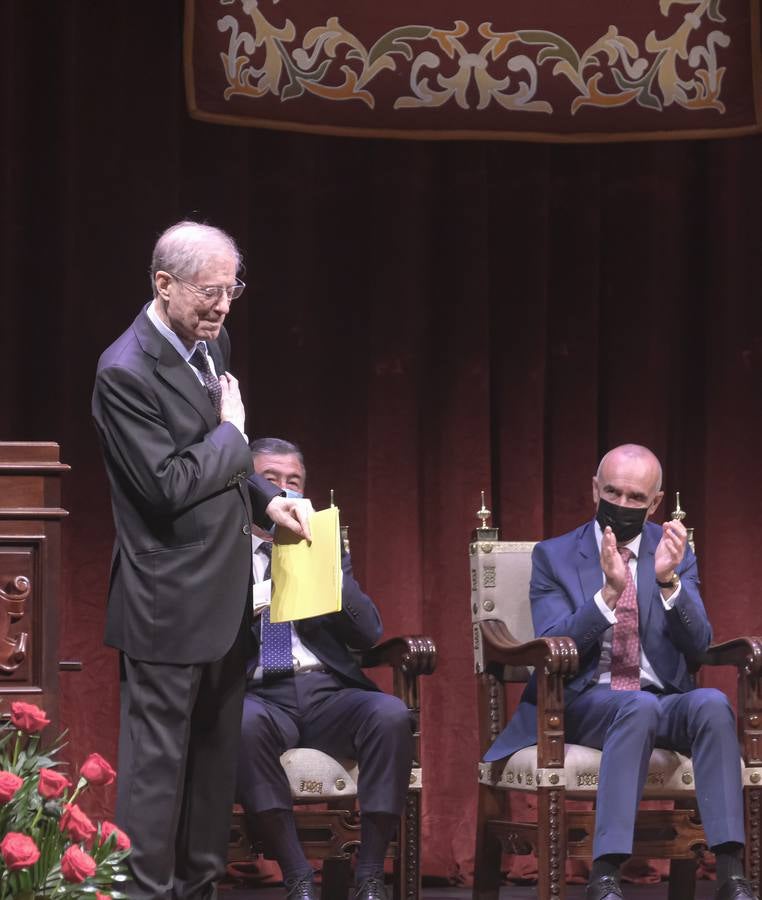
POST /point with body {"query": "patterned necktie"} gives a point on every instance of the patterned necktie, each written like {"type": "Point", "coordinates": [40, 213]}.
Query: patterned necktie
{"type": "Point", "coordinates": [212, 384]}
{"type": "Point", "coordinates": [625, 645]}
{"type": "Point", "coordinates": [275, 647]}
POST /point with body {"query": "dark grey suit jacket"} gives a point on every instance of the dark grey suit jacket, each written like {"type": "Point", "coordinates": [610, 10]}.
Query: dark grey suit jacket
{"type": "Point", "coordinates": [181, 566]}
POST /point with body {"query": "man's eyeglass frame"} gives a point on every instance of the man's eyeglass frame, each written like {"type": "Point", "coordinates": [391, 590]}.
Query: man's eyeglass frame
{"type": "Point", "coordinates": [214, 292]}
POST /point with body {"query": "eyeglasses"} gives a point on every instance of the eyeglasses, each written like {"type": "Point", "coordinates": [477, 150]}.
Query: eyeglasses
{"type": "Point", "coordinates": [214, 292]}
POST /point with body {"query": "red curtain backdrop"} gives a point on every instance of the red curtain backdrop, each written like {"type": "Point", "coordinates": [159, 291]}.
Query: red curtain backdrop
{"type": "Point", "coordinates": [427, 320]}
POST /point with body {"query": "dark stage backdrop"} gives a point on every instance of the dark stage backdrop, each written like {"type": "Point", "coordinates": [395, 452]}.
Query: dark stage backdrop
{"type": "Point", "coordinates": [427, 320]}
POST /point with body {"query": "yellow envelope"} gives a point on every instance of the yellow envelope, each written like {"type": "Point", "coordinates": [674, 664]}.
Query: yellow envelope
{"type": "Point", "coordinates": [306, 575]}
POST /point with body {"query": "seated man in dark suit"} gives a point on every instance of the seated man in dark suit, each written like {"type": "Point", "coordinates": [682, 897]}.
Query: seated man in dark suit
{"type": "Point", "coordinates": [319, 698]}
{"type": "Point", "coordinates": [626, 591]}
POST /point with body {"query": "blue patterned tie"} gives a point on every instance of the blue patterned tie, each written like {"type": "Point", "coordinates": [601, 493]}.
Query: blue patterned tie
{"type": "Point", "coordinates": [275, 647]}
{"type": "Point", "coordinates": [212, 384]}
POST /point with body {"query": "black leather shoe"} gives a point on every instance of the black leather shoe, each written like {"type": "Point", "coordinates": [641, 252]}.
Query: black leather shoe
{"type": "Point", "coordinates": [735, 888]}
{"type": "Point", "coordinates": [302, 889]}
{"type": "Point", "coordinates": [604, 888]}
{"type": "Point", "coordinates": [371, 889]}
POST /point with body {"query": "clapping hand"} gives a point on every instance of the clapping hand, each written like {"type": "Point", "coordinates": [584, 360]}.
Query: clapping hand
{"type": "Point", "coordinates": [614, 568]}
{"type": "Point", "coordinates": [671, 549]}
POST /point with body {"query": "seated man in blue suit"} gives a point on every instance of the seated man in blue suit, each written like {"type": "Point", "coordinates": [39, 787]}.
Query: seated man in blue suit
{"type": "Point", "coordinates": [319, 698]}
{"type": "Point", "coordinates": [626, 590]}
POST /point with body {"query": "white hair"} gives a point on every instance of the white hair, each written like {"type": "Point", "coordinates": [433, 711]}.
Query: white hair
{"type": "Point", "coordinates": [186, 248]}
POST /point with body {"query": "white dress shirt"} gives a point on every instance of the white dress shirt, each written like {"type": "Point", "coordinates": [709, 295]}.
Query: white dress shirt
{"type": "Point", "coordinates": [603, 674]}
{"type": "Point", "coordinates": [166, 331]}
{"type": "Point", "coordinates": [304, 660]}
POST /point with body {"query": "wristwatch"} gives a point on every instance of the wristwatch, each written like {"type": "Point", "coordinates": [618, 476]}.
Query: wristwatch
{"type": "Point", "coordinates": [672, 583]}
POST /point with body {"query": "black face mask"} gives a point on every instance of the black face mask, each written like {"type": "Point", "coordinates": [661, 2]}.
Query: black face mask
{"type": "Point", "coordinates": [625, 521]}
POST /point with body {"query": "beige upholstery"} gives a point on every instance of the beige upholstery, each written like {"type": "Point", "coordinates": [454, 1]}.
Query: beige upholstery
{"type": "Point", "coordinates": [500, 572]}
{"type": "Point", "coordinates": [670, 774]}
{"type": "Point", "coordinates": [313, 775]}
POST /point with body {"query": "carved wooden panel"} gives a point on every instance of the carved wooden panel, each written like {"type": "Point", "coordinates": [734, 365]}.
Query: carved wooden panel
{"type": "Point", "coordinates": [30, 573]}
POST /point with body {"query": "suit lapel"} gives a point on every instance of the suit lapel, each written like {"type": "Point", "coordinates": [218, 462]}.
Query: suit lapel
{"type": "Point", "coordinates": [589, 562]}
{"type": "Point", "coordinates": [173, 369]}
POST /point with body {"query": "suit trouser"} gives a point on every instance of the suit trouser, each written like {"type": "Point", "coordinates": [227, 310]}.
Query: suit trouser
{"type": "Point", "coordinates": [178, 742]}
{"type": "Point", "coordinates": [317, 710]}
{"type": "Point", "coordinates": [627, 725]}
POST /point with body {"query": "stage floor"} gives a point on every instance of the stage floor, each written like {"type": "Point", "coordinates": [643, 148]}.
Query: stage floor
{"type": "Point", "coordinates": [704, 891]}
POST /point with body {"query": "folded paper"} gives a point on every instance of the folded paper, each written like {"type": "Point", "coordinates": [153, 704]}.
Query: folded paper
{"type": "Point", "coordinates": [306, 575]}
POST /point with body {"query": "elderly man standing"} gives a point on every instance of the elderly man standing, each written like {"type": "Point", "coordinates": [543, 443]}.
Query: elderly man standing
{"type": "Point", "coordinates": [171, 422]}
{"type": "Point", "coordinates": [626, 591]}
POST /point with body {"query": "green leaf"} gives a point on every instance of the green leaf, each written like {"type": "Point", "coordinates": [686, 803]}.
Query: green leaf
{"type": "Point", "coordinates": [395, 41]}
{"type": "Point", "coordinates": [556, 47]}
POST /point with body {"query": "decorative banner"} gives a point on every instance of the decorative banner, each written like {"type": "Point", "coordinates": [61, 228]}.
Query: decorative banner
{"type": "Point", "coordinates": [538, 70]}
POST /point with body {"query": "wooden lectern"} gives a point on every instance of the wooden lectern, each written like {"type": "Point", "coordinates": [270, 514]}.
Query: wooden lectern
{"type": "Point", "coordinates": [30, 574]}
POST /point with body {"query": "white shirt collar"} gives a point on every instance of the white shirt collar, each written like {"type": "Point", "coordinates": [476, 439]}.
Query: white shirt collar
{"type": "Point", "coordinates": [257, 538]}
{"type": "Point", "coordinates": [166, 331]}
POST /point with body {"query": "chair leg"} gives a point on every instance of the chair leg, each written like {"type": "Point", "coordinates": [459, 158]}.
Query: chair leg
{"type": "Point", "coordinates": [682, 879]}
{"type": "Point", "coordinates": [488, 853]}
{"type": "Point", "coordinates": [753, 824]}
{"type": "Point", "coordinates": [407, 865]}
{"type": "Point", "coordinates": [336, 878]}
{"type": "Point", "coordinates": [551, 854]}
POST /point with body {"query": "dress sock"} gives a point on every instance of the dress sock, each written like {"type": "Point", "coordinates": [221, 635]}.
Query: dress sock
{"type": "Point", "coordinates": [276, 829]}
{"type": "Point", "coordinates": [376, 830]}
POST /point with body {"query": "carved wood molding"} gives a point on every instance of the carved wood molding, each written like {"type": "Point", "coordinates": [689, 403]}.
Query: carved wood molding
{"type": "Point", "coordinates": [13, 602]}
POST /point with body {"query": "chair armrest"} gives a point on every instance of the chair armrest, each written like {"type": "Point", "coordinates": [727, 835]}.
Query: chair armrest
{"type": "Point", "coordinates": [555, 655]}
{"type": "Point", "coordinates": [745, 653]}
{"type": "Point", "coordinates": [412, 654]}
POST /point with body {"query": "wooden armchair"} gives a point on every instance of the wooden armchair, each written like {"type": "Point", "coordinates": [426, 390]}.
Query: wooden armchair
{"type": "Point", "coordinates": [505, 650]}
{"type": "Point", "coordinates": [332, 831]}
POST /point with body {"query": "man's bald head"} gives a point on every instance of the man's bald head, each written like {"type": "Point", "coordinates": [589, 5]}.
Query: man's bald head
{"type": "Point", "coordinates": [629, 475]}
{"type": "Point", "coordinates": [633, 455]}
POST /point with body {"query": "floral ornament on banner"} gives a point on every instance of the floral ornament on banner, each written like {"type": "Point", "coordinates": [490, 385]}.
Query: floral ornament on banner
{"type": "Point", "coordinates": [49, 847]}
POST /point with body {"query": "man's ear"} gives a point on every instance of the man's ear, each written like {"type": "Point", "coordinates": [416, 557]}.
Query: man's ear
{"type": "Point", "coordinates": [596, 492]}
{"type": "Point", "coordinates": [161, 280]}
{"type": "Point", "coordinates": [655, 502]}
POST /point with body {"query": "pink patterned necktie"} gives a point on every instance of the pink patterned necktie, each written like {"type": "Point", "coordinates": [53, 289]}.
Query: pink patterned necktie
{"type": "Point", "coordinates": [625, 645]}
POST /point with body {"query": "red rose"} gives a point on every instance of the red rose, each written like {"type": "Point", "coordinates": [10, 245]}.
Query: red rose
{"type": "Point", "coordinates": [76, 865]}
{"type": "Point", "coordinates": [99, 896]}
{"type": "Point", "coordinates": [19, 851]}
{"type": "Point", "coordinates": [52, 784]}
{"type": "Point", "coordinates": [28, 717]}
{"type": "Point", "coordinates": [122, 841]}
{"type": "Point", "coordinates": [76, 824]}
{"type": "Point", "coordinates": [97, 771]}
{"type": "Point", "coordinates": [9, 784]}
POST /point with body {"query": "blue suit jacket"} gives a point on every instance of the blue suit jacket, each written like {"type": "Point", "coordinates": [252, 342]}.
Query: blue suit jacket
{"type": "Point", "coordinates": [566, 575]}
